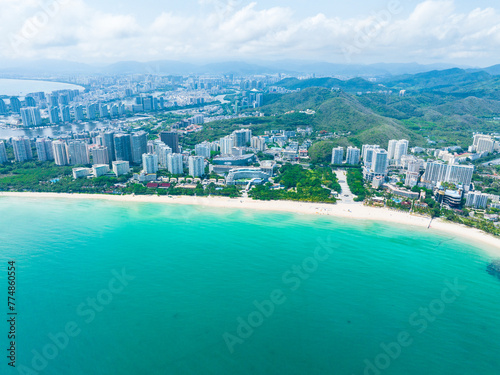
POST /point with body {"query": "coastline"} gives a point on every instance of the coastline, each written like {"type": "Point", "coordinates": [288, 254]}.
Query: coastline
{"type": "Point", "coordinates": [356, 211]}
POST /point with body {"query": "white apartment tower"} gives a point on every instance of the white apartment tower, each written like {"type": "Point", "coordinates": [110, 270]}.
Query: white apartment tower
{"type": "Point", "coordinates": [337, 155]}
{"type": "Point", "coordinates": [60, 153]}
{"type": "Point", "coordinates": [196, 166]}
{"type": "Point", "coordinates": [78, 153]}
{"type": "Point", "coordinates": [175, 164]}
{"type": "Point", "coordinates": [3, 153]}
{"type": "Point", "coordinates": [44, 149]}
{"type": "Point", "coordinates": [353, 155]}
{"type": "Point", "coordinates": [22, 149]}
{"type": "Point", "coordinates": [149, 163]}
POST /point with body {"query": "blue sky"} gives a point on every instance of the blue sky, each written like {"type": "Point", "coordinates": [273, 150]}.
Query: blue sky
{"type": "Point", "coordinates": [432, 31]}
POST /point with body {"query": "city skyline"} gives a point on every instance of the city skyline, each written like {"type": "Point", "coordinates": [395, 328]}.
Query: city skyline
{"type": "Point", "coordinates": [364, 32]}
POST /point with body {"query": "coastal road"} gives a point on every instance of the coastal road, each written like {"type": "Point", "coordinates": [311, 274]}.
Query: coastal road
{"type": "Point", "coordinates": [346, 195]}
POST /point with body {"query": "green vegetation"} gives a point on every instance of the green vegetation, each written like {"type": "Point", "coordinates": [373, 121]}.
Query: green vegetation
{"type": "Point", "coordinates": [321, 152]}
{"type": "Point", "coordinates": [47, 177]}
{"type": "Point", "coordinates": [356, 184]}
{"type": "Point", "coordinates": [314, 185]}
{"type": "Point", "coordinates": [473, 222]}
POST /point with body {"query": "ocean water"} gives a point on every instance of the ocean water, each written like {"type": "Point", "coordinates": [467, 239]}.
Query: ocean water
{"type": "Point", "coordinates": [134, 288]}
{"type": "Point", "coordinates": [21, 87]}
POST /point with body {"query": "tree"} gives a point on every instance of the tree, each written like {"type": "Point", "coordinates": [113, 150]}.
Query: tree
{"type": "Point", "coordinates": [321, 152]}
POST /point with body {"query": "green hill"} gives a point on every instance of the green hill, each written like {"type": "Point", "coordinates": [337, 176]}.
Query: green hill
{"type": "Point", "coordinates": [351, 85]}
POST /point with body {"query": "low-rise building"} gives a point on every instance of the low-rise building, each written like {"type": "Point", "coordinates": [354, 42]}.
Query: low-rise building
{"type": "Point", "coordinates": [100, 169]}
{"type": "Point", "coordinates": [121, 167]}
{"type": "Point", "coordinates": [81, 172]}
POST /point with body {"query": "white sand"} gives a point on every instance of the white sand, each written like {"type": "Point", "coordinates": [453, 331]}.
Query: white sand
{"type": "Point", "coordinates": [358, 211]}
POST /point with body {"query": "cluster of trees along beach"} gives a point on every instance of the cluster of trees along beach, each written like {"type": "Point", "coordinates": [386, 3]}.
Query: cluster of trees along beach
{"type": "Point", "coordinates": [300, 184]}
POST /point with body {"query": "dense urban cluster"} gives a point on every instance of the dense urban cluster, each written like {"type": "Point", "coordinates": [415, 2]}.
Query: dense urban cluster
{"type": "Point", "coordinates": [147, 138]}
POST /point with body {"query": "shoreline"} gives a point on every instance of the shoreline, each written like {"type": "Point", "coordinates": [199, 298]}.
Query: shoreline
{"type": "Point", "coordinates": [355, 211]}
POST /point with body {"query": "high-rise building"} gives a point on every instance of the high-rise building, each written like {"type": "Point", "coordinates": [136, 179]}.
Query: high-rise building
{"type": "Point", "coordinates": [477, 200]}
{"type": "Point", "coordinates": [435, 172]}
{"type": "Point", "coordinates": [103, 111]}
{"type": "Point", "coordinates": [258, 143]}
{"type": "Point", "coordinates": [64, 99]}
{"type": "Point", "coordinates": [353, 155]}
{"type": "Point", "coordinates": [483, 143]}
{"type": "Point", "coordinates": [123, 147]}
{"type": "Point", "coordinates": [147, 103]}
{"type": "Point", "coordinates": [396, 149]}
{"type": "Point", "coordinates": [196, 166]}
{"type": "Point", "coordinates": [175, 164]}
{"type": "Point", "coordinates": [151, 147]}
{"type": "Point", "coordinates": [65, 114]}
{"type": "Point", "coordinates": [30, 101]}
{"type": "Point", "coordinates": [100, 155]}
{"type": "Point", "coordinates": [3, 153]}
{"type": "Point", "coordinates": [478, 137]}
{"type": "Point", "coordinates": [455, 173]}
{"type": "Point", "coordinates": [379, 162]}
{"type": "Point", "coordinates": [259, 100]}
{"type": "Point", "coordinates": [15, 104]}
{"type": "Point", "coordinates": [121, 167]}
{"type": "Point", "coordinates": [109, 143]}
{"type": "Point", "coordinates": [460, 174]}
{"type": "Point", "coordinates": [114, 111]}
{"type": "Point", "coordinates": [54, 115]}
{"type": "Point", "coordinates": [337, 155]}
{"type": "Point", "coordinates": [3, 107]}
{"type": "Point", "coordinates": [60, 153]}
{"type": "Point", "coordinates": [162, 151]}
{"type": "Point", "coordinates": [139, 146]}
{"type": "Point", "coordinates": [203, 149]}
{"type": "Point", "coordinates": [31, 116]}
{"type": "Point", "coordinates": [149, 163]}
{"type": "Point", "coordinates": [44, 149]}
{"type": "Point", "coordinates": [367, 153]}
{"type": "Point", "coordinates": [377, 168]}
{"type": "Point", "coordinates": [401, 149]}
{"type": "Point", "coordinates": [79, 116]}
{"type": "Point", "coordinates": [226, 145]}
{"type": "Point", "coordinates": [78, 153]}
{"type": "Point", "coordinates": [171, 139]}
{"type": "Point", "coordinates": [241, 137]}
{"type": "Point", "coordinates": [391, 148]}
{"type": "Point", "coordinates": [22, 149]}
{"type": "Point", "coordinates": [54, 100]}
{"type": "Point", "coordinates": [121, 109]}
{"type": "Point", "coordinates": [197, 120]}
{"type": "Point", "coordinates": [92, 110]}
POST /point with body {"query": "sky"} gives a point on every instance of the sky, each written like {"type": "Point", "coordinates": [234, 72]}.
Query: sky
{"type": "Point", "coordinates": [346, 32]}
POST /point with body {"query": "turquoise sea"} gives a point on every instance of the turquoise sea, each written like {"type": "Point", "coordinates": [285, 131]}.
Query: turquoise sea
{"type": "Point", "coordinates": [133, 288]}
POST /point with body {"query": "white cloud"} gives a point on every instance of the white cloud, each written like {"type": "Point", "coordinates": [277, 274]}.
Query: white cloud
{"type": "Point", "coordinates": [71, 29]}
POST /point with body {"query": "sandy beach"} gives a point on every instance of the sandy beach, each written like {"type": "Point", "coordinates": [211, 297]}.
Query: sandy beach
{"type": "Point", "coordinates": [357, 211]}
